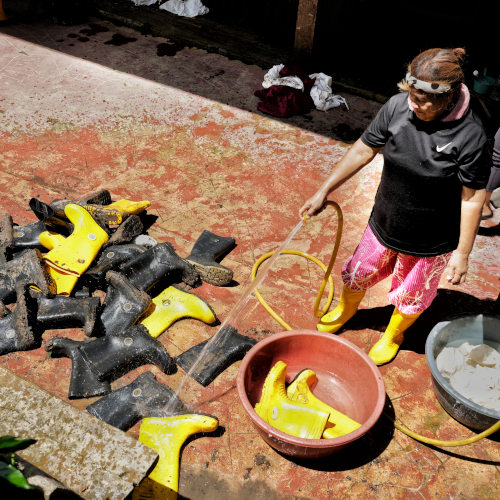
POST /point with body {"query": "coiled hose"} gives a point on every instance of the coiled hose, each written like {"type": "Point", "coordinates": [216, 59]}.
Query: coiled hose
{"type": "Point", "coordinates": [327, 278]}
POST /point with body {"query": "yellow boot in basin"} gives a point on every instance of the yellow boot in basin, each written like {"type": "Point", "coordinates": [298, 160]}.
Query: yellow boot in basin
{"type": "Point", "coordinates": [166, 435]}
{"type": "Point", "coordinates": [293, 417]}
{"type": "Point", "coordinates": [173, 304]}
{"type": "Point", "coordinates": [338, 424]}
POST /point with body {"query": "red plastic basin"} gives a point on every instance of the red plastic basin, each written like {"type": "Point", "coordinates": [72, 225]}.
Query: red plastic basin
{"type": "Point", "coordinates": [348, 380]}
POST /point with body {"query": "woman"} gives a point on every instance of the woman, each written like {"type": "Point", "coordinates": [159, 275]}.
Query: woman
{"type": "Point", "coordinates": [436, 166]}
{"type": "Point", "coordinates": [494, 180]}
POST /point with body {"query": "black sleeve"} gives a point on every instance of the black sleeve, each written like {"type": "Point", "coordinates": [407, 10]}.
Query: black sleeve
{"type": "Point", "coordinates": [475, 161]}
{"type": "Point", "coordinates": [377, 133]}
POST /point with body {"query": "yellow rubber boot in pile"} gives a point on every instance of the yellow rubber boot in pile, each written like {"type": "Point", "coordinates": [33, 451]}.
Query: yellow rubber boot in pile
{"type": "Point", "coordinates": [70, 257]}
{"type": "Point", "coordinates": [173, 304]}
{"type": "Point", "coordinates": [348, 305]}
{"type": "Point", "coordinates": [387, 347]}
{"type": "Point", "coordinates": [338, 424]}
{"type": "Point", "coordinates": [115, 213]}
{"type": "Point", "coordinates": [166, 435]}
{"type": "Point", "coordinates": [293, 417]}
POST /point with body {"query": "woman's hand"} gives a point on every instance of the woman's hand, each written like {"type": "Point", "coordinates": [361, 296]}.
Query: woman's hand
{"type": "Point", "coordinates": [313, 204]}
{"type": "Point", "coordinates": [456, 270]}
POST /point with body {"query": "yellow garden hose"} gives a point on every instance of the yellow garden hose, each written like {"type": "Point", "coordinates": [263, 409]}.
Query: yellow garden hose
{"type": "Point", "coordinates": [327, 278]}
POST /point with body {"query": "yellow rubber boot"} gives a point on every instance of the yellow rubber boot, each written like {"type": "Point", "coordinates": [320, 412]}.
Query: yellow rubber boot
{"type": "Point", "coordinates": [65, 281]}
{"type": "Point", "coordinates": [293, 417]}
{"type": "Point", "coordinates": [387, 347]}
{"type": "Point", "coordinates": [348, 305]}
{"type": "Point", "coordinates": [74, 254]}
{"type": "Point", "coordinates": [173, 304]}
{"type": "Point", "coordinates": [338, 424]}
{"type": "Point", "coordinates": [116, 212]}
{"type": "Point", "coordinates": [166, 436]}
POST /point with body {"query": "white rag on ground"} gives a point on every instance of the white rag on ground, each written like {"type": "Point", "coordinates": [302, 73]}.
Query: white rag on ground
{"type": "Point", "coordinates": [473, 371]}
{"type": "Point", "coordinates": [321, 91]}
{"type": "Point", "coordinates": [185, 8]}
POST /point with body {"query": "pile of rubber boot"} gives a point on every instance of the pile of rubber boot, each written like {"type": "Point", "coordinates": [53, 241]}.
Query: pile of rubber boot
{"type": "Point", "coordinates": [88, 263]}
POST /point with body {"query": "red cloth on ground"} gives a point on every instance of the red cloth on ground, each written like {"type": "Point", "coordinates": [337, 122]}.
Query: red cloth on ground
{"type": "Point", "coordinates": [284, 101]}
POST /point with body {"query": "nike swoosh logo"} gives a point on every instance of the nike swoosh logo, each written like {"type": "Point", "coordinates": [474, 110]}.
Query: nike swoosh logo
{"type": "Point", "coordinates": [441, 148]}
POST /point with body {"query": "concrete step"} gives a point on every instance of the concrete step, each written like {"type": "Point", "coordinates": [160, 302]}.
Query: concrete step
{"type": "Point", "coordinates": [93, 459]}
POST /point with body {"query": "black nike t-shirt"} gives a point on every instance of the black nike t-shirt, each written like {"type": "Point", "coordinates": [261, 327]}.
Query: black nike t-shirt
{"type": "Point", "coordinates": [418, 202]}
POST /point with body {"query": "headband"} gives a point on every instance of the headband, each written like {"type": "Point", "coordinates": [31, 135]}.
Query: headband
{"type": "Point", "coordinates": [430, 88]}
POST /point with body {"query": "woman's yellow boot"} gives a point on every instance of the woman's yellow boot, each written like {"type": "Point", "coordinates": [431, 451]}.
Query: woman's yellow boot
{"type": "Point", "coordinates": [166, 435]}
{"type": "Point", "coordinates": [348, 305]}
{"type": "Point", "coordinates": [173, 304]}
{"type": "Point", "coordinates": [293, 417]}
{"type": "Point", "coordinates": [117, 212]}
{"type": "Point", "coordinates": [338, 424]}
{"type": "Point", "coordinates": [387, 347]}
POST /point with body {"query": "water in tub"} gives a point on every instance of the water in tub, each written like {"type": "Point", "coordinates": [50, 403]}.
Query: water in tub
{"type": "Point", "coordinates": [473, 371]}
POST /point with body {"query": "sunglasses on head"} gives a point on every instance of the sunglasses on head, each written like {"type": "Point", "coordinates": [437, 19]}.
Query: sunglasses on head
{"type": "Point", "coordinates": [429, 88]}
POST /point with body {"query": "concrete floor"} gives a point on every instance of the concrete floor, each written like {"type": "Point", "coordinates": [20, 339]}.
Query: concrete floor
{"type": "Point", "coordinates": [94, 106]}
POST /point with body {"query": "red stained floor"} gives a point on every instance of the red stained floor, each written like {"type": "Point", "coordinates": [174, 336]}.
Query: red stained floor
{"type": "Point", "coordinates": [183, 133]}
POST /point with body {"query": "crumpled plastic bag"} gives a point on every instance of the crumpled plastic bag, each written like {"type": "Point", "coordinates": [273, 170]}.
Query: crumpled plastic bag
{"type": "Point", "coordinates": [273, 77]}
{"type": "Point", "coordinates": [185, 8]}
{"type": "Point", "coordinates": [144, 2]}
{"type": "Point", "coordinates": [322, 93]}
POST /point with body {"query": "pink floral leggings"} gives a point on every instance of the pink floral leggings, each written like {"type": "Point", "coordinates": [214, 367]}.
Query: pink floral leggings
{"type": "Point", "coordinates": [414, 279]}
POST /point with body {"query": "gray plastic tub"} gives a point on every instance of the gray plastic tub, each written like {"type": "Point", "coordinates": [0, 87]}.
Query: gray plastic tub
{"type": "Point", "coordinates": [475, 329]}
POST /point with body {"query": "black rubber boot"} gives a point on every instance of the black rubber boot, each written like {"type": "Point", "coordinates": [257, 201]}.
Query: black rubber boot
{"type": "Point", "coordinates": [111, 357]}
{"type": "Point", "coordinates": [159, 264]}
{"type": "Point", "coordinates": [83, 383]}
{"type": "Point", "coordinates": [16, 328]}
{"type": "Point", "coordinates": [101, 197]}
{"type": "Point", "coordinates": [67, 312]}
{"type": "Point", "coordinates": [130, 228]}
{"type": "Point", "coordinates": [109, 260]}
{"type": "Point", "coordinates": [26, 269]}
{"type": "Point", "coordinates": [144, 397]}
{"type": "Point", "coordinates": [207, 249]}
{"type": "Point", "coordinates": [209, 361]}
{"type": "Point", "coordinates": [50, 217]}
{"type": "Point", "coordinates": [6, 237]}
{"type": "Point", "coordinates": [27, 236]}
{"type": "Point", "coordinates": [123, 304]}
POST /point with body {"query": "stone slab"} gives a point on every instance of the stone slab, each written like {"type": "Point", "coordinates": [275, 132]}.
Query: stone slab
{"type": "Point", "coordinates": [92, 458]}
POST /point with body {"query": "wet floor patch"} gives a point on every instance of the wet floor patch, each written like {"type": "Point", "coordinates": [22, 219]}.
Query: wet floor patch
{"type": "Point", "coordinates": [118, 39]}
{"type": "Point", "coordinates": [93, 29]}
{"type": "Point", "coordinates": [168, 49]}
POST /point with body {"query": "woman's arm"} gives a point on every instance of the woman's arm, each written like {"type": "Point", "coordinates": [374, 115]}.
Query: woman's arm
{"type": "Point", "coordinates": [472, 203]}
{"type": "Point", "coordinates": [357, 157]}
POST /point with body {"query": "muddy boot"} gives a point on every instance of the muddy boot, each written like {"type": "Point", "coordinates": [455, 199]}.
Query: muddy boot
{"type": "Point", "coordinates": [123, 304]}
{"type": "Point", "coordinates": [204, 254]}
{"type": "Point", "coordinates": [166, 436]}
{"type": "Point", "coordinates": [16, 331]}
{"type": "Point", "coordinates": [205, 361]}
{"type": "Point", "coordinates": [27, 236]}
{"type": "Point", "coordinates": [6, 237]}
{"type": "Point", "coordinates": [159, 264]}
{"type": "Point", "coordinates": [111, 357]}
{"type": "Point", "coordinates": [173, 304]}
{"type": "Point", "coordinates": [27, 269]}
{"type": "Point", "coordinates": [101, 197]}
{"type": "Point", "coordinates": [109, 260]}
{"type": "Point", "coordinates": [144, 397]}
{"type": "Point", "coordinates": [126, 231]}
{"type": "Point", "coordinates": [115, 213]}
{"type": "Point", "coordinates": [53, 219]}
{"type": "Point", "coordinates": [84, 383]}
{"type": "Point", "coordinates": [67, 312]}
